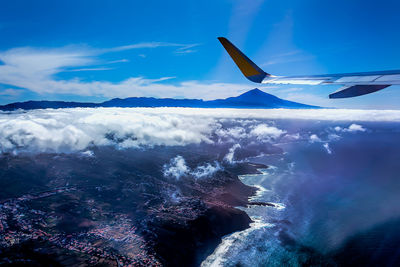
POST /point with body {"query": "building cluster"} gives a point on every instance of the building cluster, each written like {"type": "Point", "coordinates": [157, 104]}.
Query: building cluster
{"type": "Point", "coordinates": [115, 241]}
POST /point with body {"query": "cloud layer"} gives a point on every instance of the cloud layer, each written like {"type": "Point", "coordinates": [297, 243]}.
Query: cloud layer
{"type": "Point", "coordinates": [77, 129]}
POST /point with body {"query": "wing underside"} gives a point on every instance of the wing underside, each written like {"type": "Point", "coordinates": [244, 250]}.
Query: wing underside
{"type": "Point", "coordinates": [356, 90]}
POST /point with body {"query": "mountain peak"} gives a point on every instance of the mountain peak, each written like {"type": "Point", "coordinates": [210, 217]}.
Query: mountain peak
{"type": "Point", "coordinates": [257, 96]}
{"type": "Point", "coordinates": [254, 91]}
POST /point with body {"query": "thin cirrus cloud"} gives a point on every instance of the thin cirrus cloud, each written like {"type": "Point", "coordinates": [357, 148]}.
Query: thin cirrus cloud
{"type": "Point", "coordinates": [9, 92]}
{"type": "Point", "coordinates": [288, 57]}
{"type": "Point", "coordinates": [90, 69]}
{"type": "Point", "coordinates": [179, 47]}
{"type": "Point", "coordinates": [35, 69]}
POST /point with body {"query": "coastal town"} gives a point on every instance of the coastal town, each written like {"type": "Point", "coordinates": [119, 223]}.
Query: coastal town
{"type": "Point", "coordinates": [113, 242]}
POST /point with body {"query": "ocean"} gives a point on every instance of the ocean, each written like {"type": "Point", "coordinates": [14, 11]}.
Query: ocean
{"type": "Point", "coordinates": [337, 201]}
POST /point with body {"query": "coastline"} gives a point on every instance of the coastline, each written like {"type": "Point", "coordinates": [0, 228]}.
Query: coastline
{"type": "Point", "coordinates": [189, 241]}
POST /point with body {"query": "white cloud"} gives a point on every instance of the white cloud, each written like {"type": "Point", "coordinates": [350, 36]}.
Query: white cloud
{"type": "Point", "coordinates": [265, 132]}
{"type": "Point", "coordinates": [232, 133]}
{"type": "Point", "coordinates": [314, 138]}
{"type": "Point", "coordinates": [292, 137]}
{"type": "Point", "coordinates": [229, 157]}
{"type": "Point", "coordinates": [206, 170]}
{"type": "Point", "coordinates": [87, 154]}
{"type": "Point", "coordinates": [176, 168]}
{"type": "Point", "coordinates": [338, 129]}
{"type": "Point", "coordinates": [327, 148]}
{"type": "Point", "coordinates": [356, 128]}
{"type": "Point", "coordinates": [352, 128]}
{"type": "Point", "coordinates": [333, 137]}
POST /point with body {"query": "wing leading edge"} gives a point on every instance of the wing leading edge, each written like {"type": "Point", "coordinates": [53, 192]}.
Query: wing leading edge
{"type": "Point", "coordinates": [354, 84]}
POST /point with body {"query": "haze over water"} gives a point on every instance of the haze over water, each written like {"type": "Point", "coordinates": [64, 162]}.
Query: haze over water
{"type": "Point", "coordinates": [338, 201]}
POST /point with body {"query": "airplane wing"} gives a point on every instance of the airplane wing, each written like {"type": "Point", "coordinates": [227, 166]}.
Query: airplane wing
{"type": "Point", "coordinates": [354, 84]}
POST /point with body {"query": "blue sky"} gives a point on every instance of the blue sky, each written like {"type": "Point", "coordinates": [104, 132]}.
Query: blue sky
{"type": "Point", "coordinates": [96, 50]}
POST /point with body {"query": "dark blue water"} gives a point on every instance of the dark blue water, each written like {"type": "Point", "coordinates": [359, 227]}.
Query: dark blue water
{"type": "Point", "coordinates": [338, 200]}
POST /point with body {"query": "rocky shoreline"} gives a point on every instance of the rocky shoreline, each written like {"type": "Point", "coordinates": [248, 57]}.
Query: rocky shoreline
{"type": "Point", "coordinates": [188, 241]}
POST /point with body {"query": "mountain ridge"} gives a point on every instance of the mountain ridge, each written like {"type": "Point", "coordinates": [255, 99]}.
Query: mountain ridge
{"type": "Point", "coordinates": [254, 98]}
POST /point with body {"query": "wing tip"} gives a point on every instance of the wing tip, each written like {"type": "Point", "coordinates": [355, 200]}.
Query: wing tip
{"type": "Point", "coordinates": [249, 69]}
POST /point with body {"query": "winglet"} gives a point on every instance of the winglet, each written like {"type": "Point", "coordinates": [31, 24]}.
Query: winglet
{"type": "Point", "coordinates": [250, 70]}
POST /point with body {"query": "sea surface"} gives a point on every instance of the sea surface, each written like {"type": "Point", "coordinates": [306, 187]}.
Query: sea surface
{"type": "Point", "coordinates": [337, 202]}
